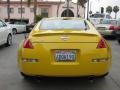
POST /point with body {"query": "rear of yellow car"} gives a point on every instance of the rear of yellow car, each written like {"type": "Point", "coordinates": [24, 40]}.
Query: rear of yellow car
{"type": "Point", "coordinates": [64, 53]}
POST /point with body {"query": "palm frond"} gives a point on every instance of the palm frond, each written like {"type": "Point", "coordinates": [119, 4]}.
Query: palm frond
{"type": "Point", "coordinates": [82, 2]}
{"type": "Point", "coordinates": [29, 2]}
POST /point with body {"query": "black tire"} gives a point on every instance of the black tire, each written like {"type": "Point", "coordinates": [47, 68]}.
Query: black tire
{"type": "Point", "coordinates": [14, 31]}
{"type": "Point", "coordinates": [103, 76]}
{"type": "Point", "coordinates": [9, 40]}
{"type": "Point", "coordinates": [119, 41]}
{"type": "Point", "coordinates": [27, 77]}
{"type": "Point", "coordinates": [28, 30]}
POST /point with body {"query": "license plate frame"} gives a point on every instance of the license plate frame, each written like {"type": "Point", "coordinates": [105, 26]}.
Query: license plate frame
{"type": "Point", "coordinates": [65, 55]}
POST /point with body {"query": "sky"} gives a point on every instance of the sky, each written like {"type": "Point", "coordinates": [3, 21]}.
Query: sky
{"type": "Point", "coordinates": [96, 4]}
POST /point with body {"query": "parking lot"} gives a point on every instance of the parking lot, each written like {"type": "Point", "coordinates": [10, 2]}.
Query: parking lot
{"type": "Point", "coordinates": [10, 79]}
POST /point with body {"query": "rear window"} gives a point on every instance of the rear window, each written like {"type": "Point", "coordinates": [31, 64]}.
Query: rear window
{"type": "Point", "coordinates": [113, 22]}
{"type": "Point", "coordinates": [95, 21]}
{"type": "Point", "coordinates": [20, 23]}
{"type": "Point", "coordinates": [63, 24]}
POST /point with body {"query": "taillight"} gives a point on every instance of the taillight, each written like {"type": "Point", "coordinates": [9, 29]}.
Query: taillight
{"type": "Point", "coordinates": [27, 44]}
{"type": "Point", "coordinates": [101, 44]}
{"type": "Point", "coordinates": [117, 28]}
{"type": "Point", "coordinates": [111, 28]}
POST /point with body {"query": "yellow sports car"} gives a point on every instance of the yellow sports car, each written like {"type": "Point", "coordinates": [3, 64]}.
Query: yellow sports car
{"type": "Point", "coordinates": [64, 47]}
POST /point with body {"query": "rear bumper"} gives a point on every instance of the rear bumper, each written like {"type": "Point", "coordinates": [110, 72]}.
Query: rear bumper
{"type": "Point", "coordinates": [47, 65]}
{"type": "Point", "coordinates": [65, 70]}
{"type": "Point", "coordinates": [107, 32]}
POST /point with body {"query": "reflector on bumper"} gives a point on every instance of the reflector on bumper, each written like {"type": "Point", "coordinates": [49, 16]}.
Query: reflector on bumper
{"type": "Point", "coordinates": [100, 60]}
{"type": "Point", "coordinates": [30, 60]}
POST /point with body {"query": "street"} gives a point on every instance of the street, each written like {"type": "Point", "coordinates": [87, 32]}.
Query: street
{"type": "Point", "coordinates": [10, 78]}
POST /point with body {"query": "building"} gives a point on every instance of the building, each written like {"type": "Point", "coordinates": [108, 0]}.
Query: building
{"type": "Point", "coordinates": [44, 8]}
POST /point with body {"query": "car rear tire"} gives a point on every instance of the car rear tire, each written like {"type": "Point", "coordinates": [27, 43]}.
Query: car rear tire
{"type": "Point", "coordinates": [14, 31]}
{"type": "Point", "coordinates": [9, 40]}
{"type": "Point", "coordinates": [103, 76]}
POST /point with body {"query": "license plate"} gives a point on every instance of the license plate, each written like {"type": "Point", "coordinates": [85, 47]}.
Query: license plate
{"type": "Point", "coordinates": [65, 55]}
{"type": "Point", "coordinates": [101, 28]}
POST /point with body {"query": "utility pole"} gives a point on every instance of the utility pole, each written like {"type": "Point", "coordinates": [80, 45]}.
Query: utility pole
{"type": "Point", "coordinates": [35, 10]}
{"type": "Point", "coordinates": [88, 10]}
{"type": "Point", "coordinates": [8, 9]}
{"type": "Point", "coordinates": [21, 9]}
{"type": "Point", "coordinates": [67, 8]}
{"type": "Point", "coordinates": [77, 8]}
{"type": "Point", "coordinates": [90, 5]}
{"type": "Point", "coordinates": [58, 6]}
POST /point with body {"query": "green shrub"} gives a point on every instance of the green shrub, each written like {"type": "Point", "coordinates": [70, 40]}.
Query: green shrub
{"type": "Point", "coordinates": [38, 18]}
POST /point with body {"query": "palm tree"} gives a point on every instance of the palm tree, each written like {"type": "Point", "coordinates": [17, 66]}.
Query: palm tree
{"type": "Point", "coordinates": [109, 9]}
{"type": "Point", "coordinates": [80, 3]}
{"type": "Point", "coordinates": [35, 7]}
{"type": "Point", "coordinates": [58, 6]}
{"type": "Point", "coordinates": [8, 10]}
{"type": "Point", "coordinates": [115, 10]}
{"type": "Point", "coordinates": [21, 2]}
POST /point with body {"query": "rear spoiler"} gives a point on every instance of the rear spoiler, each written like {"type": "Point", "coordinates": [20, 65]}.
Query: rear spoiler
{"type": "Point", "coordinates": [50, 34]}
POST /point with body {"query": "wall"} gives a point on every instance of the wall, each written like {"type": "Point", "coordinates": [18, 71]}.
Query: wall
{"type": "Point", "coordinates": [30, 15]}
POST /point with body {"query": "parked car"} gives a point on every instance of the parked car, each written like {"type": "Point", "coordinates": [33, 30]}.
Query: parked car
{"type": "Point", "coordinates": [95, 21]}
{"type": "Point", "coordinates": [117, 34]}
{"type": "Point", "coordinates": [107, 27]}
{"type": "Point", "coordinates": [18, 26]}
{"type": "Point", "coordinates": [64, 47]}
{"type": "Point", "coordinates": [29, 27]}
{"type": "Point", "coordinates": [99, 15]}
{"type": "Point", "coordinates": [5, 34]}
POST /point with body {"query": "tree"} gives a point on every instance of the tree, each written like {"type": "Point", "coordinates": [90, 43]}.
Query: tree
{"type": "Point", "coordinates": [115, 10]}
{"type": "Point", "coordinates": [38, 18]}
{"type": "Point", "coordinates": [80, 3]}
{"type": "Point", "coordinates": [109, 9]}
{"type": "Point", "coordinates": [58, 6]}
{"type": "Point", "coordinates": [8, 10]}
{"type": "Point", "coordinates": [21, 2]}
{"type": "Point", "coordinates": [35, 7]}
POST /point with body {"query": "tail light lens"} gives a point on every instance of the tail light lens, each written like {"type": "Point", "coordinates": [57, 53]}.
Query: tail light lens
{"type": "Point", "coordinates": [102, 44]}
{"type": "Point", "coordinates": [27, 44]}
{"type": "Point", "coordinates": [111, 28]}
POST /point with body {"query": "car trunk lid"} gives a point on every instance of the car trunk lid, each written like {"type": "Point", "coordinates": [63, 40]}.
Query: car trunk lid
{"type": "Point", "coordinates": [65, 36]}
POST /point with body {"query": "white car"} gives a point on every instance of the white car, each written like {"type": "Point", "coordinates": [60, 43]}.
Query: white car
{"type": "Point", "coordinates": [18, 26]}
{"type": "Point", "coordinates": [99, 15]}
{"type": "Point", "coordinates": [107, 27]}
{"type": "Point", "coordinates": [5, 34]}
{"type": "Point", "coordinates": [95, 21]}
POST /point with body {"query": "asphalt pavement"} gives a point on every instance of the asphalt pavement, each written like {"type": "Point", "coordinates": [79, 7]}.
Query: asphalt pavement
{"type": "Point", "coordinates": [10, 78]}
